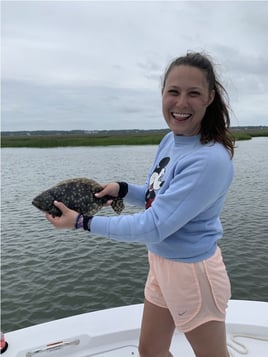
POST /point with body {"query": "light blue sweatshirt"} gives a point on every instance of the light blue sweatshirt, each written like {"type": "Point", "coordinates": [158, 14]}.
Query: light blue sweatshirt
{"type": "Point", "coordinates": [184, 194]}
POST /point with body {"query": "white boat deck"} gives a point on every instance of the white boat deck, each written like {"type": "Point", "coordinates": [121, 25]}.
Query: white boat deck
{"type": "Point", "coordinates": [115, 333]}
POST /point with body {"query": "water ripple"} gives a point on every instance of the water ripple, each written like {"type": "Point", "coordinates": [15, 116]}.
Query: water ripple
{"type": "Point", "coordinates": [48, 274]}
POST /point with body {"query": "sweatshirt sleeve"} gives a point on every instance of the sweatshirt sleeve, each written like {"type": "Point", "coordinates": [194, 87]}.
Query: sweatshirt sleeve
{"type": "Point", "coordinates": [136, 195]}
{"type": "Point", "coordinates": [196, 185]}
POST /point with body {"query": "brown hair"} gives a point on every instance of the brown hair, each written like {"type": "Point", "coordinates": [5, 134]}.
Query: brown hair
{"type": "Point", "coordinates": [216, 122]}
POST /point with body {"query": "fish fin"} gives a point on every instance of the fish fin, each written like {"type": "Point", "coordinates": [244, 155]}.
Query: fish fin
{"type": "Point", "coordinates": [118, 205]}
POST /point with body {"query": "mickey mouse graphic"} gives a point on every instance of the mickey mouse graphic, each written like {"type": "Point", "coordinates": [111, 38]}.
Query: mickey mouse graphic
{"type": "Point", "coordinates": [156, 181]}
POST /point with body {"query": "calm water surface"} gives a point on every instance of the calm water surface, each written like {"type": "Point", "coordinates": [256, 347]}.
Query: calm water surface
{"type": "Point", "coordinates": [49, 274]}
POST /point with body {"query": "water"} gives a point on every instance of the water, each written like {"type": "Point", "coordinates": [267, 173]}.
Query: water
{"type": "Point", "coordinates": [49, 274]}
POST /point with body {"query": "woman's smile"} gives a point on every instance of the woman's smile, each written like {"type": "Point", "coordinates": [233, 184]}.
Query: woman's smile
{"type": "Point", "coordinates": [181, 116]}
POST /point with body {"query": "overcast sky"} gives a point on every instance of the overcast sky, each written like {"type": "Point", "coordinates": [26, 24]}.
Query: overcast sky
{"type": "Point", "coordinates": [98, 64]}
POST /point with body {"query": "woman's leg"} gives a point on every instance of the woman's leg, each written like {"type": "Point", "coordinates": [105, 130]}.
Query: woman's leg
{"type": "Point", "coordinates": [156, 331]}
{"type": "Point", "coordinates": [209, 340]}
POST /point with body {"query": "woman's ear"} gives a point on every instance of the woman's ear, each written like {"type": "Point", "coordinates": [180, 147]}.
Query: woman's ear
{"type": "Point", "coordinates": [211, 96]}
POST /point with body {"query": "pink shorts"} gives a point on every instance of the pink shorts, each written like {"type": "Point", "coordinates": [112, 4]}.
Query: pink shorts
{"type": "Point", "coordinates": [194, 293]}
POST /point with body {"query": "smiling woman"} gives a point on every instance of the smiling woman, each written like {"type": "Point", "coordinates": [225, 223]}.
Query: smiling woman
{"type": "Point", "coordinates": [186, 96]}
{"type": "Point", "coordinates": [182, 199]}
{"type": "Point", "coordinates": [194, 101]}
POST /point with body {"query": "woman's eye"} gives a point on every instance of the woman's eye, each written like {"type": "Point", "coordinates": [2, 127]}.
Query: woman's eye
{"type": "Point", "coordinates": [173, 91]}
{"type": "Point", "coordinates": [194, 94]}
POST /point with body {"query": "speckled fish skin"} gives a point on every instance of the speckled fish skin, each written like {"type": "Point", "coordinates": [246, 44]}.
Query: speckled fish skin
{"type": "Point", "coordinates": [77, 194]}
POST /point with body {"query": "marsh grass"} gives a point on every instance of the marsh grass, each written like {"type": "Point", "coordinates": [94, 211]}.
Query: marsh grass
{"type": "Point", "coordinates": [49, 141]}
{"type": "Point", "coordinates": [84, 140]}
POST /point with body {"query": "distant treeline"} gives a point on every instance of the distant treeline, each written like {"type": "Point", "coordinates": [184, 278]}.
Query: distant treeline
{"type": "Point", "coordinates": [46, 139]}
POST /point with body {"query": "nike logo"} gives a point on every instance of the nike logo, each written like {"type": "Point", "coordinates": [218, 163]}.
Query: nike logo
{"type": "Point", "coordinates": [181, 313]}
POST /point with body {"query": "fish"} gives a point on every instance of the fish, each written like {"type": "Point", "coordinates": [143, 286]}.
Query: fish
{"type": "Point", "coordinates": [77, 194]}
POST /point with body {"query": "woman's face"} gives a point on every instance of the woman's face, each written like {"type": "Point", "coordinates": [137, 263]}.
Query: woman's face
{"type": "Point", "coordinates": [185, 99]}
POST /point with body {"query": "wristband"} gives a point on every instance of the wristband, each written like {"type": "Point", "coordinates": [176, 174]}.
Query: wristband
{"type": "Point", "coordinates": [86, 222]}
{"type": "Point", "coordinates": [123, 189]}
{"type": "Point", "coordinates": [83, 222]}
{"type": "Point", "coordinates": [79, 221]}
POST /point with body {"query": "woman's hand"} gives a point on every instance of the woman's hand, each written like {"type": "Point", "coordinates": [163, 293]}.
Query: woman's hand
{"type": "Point", "coordinates": [109, 189]}
{"type": "Point", "coordinates": [66, 220]}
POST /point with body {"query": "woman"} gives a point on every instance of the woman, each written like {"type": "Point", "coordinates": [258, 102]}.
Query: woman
{"type": "Point", "coordinates": [187, 286]}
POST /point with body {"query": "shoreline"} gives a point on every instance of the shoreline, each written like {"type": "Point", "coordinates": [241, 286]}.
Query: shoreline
{"type": "Point", "coordinates": [47, 139]}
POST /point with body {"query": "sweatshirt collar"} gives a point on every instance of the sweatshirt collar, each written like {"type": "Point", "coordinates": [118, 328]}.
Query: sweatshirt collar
{"type": "Point", "coordinates": [186, 140]}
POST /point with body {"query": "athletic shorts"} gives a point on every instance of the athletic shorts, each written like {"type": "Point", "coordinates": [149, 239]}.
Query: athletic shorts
{"type": "Point", "coordinates": [194, 293]}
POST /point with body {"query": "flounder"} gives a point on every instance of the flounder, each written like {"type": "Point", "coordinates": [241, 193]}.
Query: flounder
{"type": "Point", "coordinates": [77, 194]}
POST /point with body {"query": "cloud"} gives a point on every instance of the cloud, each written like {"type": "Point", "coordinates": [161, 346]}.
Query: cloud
{"type": "Point", "coordinates": [75, 64]}
{"type": "Point", "coordinates": [85, 107]}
